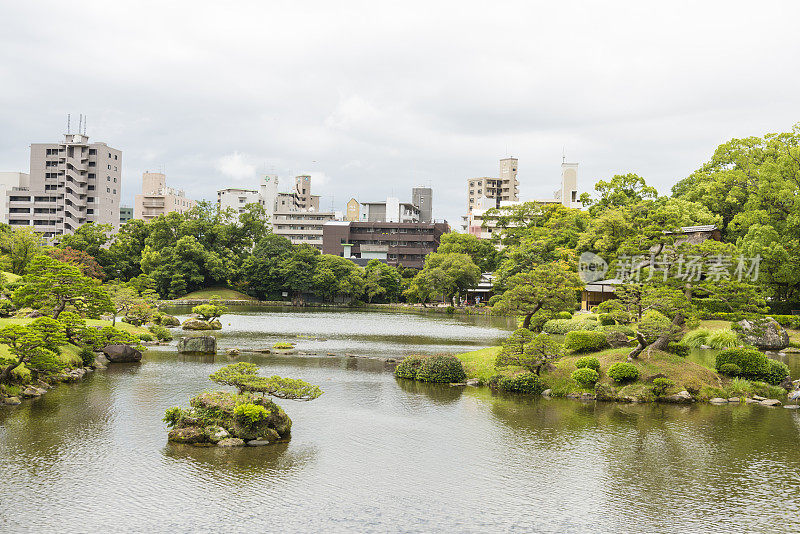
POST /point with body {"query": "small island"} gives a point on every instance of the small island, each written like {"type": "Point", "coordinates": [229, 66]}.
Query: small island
{"type": "Point", "coordinates": [247, 417]}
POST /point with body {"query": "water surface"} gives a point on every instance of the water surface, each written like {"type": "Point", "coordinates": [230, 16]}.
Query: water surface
{"type": "Point", "coordinates": [377, 454]}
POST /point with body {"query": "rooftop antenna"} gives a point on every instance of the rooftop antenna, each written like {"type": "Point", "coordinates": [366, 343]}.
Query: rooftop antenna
{"type": "Point", "coordinates": [80, 122]}
{"type": "Point", "coordinates": [67, 123]}
{"type": "Point", "coordinates": [84, 126]}
{"type": "Point", "coordinates": [563, 154]}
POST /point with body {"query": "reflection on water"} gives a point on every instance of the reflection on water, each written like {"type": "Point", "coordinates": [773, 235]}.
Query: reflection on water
{"type": "Point", "coordinates": [378, 454]}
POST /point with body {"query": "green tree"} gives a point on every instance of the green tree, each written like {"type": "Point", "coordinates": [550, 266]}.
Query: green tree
{"type": "Point", "coordinates": [262, 276]}
{"type": "Point", "coordinates": [20, 246]}
{"type": "Point", "coordinates": [32, 345]}
{"type": "Point", "coordinates": [126, 298]}
{"type": "Point", "coordinates": [482, 252]}
{"type": "Point", "coordinates": [532, 352]}
{"type": "Point", "coordinates": [542, 292]}
{"type": "Point", "coordinates": [213, 310]}
{"type": "Point", "coordinates": [50, 286]}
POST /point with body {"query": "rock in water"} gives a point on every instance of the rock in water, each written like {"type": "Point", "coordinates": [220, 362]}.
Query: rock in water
{"type": "Point", "coordinates": [196, 324]}
{"type": "Point", "coordinates": [765, 334]}
{"type": "Point", "coordinates": [121, 354]}
{"type": "Point", "coordinates": [215, 325]}
{"type": "Point", "coordinates": [231, 442]}
{"type": "Point", "coordinates": [170, 320]}
{"type": "Point", "coordinates": [197, 345]}
{"type": "Point", "coordinates": [189, 434]}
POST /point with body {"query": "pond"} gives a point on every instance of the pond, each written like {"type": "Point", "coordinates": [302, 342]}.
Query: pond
{"type": "Point", "coordinates": [377, 454]}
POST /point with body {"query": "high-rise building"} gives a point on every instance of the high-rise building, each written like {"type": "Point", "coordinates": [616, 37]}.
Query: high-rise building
{"type": "Point", "coordinates": [8, 181]}
{"type": "Point", "coordinates": [237, 199]}
{"type": "Point", "coordinates": [158, 199]}
{"type": "Point", "coordinates": [70, 183]}
{"type": "Point", "coordinates": [422, 198]}
{"type": "Point", "coordinates": [503, 188]}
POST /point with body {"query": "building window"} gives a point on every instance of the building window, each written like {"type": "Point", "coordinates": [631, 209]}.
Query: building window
{"type": "Point", "coordinates": [91, 188]}
{"type": "Point", "coordinates": [92, 151]}
{"type": "Point", "coordinates": [92, 164]}
{"type": "Point", "coordinates": [108, 189]}
{"type": "Point", "coordinates": [90, 211]}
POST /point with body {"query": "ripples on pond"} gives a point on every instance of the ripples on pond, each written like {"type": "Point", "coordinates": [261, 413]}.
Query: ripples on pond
{"type": "Point", "coordinates": [374, 454]}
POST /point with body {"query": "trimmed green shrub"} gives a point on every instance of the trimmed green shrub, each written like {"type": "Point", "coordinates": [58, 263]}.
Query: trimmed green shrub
{"type": "Point", "coordinates": [623, 372]}
{"type": "Point", "coordinates": [661, 385]}
{"type": "Point", "coordinates": [753, 365]}
{"type": "Point", "coordinates": [585, 377]}
{"type": "Point", "coordinates": [173, 416]}
{"type": "Point", "coordinates": [777, 372]}
{"type": "Point", "coordinates": [408, 367]}
{"type": "Point", "coordinates": [144, 336]}
{"type": "Point", "coordinates": [250, 414]}
{"type": "Point", "coordinates": [87, 356]}
{"type": "Point", "coordinates": [696, 338]}
{"type": "Point", "coordinates": [678, 349]}
{"type": "Point", "coordinates": [722, 339]}
{"type": "Point", "coordinates": [527, 383]}
{"type": "Point", "coordinates": [768, 390]}
{"type": "Point", "coordinates": [564, 326]}
{"type": "Point", "coordinates": [441, 369]}
{"type": "Point", "coordinates": [282, 345]}
{"type": "Point", "coordinates": [589, 362]}
{"type": "Point", "coordinates": [161, 333]}
{"type": "Point", "coordinates": [564, 315]}
{"type": "Point", "coordinates": [606, 319]}
{"type": "Point", "coordinates": [729, 369]}
{"type": "Point", "coordinates": [586, 341]}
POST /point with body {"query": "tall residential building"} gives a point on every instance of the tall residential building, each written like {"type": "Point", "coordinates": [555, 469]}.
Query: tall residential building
{"type": "Point", "coordinates": [390, 210]}
{"type": "Point", "coordinates": [8, 181]}
{"type": "Point", "coordinates": [503, 188]}
{"type": "Point", "coordinates": [158, 199]}
{"type": "Point", "coordinates": [71, 183]}
{"type": "Point", "coordinates": [422, 198]}
{"type": "Point", "coordinates": [237, 199]}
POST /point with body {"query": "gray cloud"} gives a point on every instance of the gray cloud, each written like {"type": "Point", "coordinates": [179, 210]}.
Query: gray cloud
{"type": "Point", "coordinates": [373, 98]}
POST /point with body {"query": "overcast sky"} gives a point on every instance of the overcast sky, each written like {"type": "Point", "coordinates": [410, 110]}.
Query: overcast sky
{"type": "Point", "coordinates": [372, 98]}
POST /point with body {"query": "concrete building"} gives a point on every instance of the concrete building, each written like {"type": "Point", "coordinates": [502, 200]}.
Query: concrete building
{"type": "Point", "coordinates": [158, 199]}
{"type": "Point", "coordinates": [237, 199]}
{"type": "Point", "coordinates": [125, 214]}
{"type": "Point", "coordinates": [422, 198]}
{"type": "Point", "coordinates": [301, 226]}
{"type": "Point", "coordinates": [8, 181]}
{"type": "Point", "coordinates": [476, 222]}
{"type": "Point", "coordinates": [353, 212]}
{"type": "Point", "coordinates": [390, 210]}
{"type": "Point", "coordinates": [70, 183]}
{"type": "Point", "coordinates": [396, 243]}
{"type": "Point", "coordinates": [503, 188]}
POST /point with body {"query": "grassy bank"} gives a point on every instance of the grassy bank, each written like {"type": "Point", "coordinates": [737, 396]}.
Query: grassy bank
{"type": "Point", "coordinates": [223, 293]}
{"type": "Point", "coordinates": [135, 330]}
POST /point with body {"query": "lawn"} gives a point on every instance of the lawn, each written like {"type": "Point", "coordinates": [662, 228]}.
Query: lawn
{"type": "Point", "coordinates": [223, 293]}
{"type": "Point", "coordinates": [135, 330]}
{"type": "Point", "coordinates": [480, 363]}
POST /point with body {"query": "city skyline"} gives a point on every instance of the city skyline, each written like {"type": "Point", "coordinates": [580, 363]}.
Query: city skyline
{"type": "Point", "coordinates": [367, 116]}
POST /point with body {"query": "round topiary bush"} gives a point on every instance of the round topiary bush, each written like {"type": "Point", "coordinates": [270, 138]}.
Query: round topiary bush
{"type": "Point", "coordinates": [527, 383]}
{"type": "Point", "coordinates": [606, 319]}
{"type": "Point", "coordinates": [250, 414]}
{"type": "Point", "coordinates": [585, 377]}
{"type": "Point", "coordinates": [441, 369]}
{"type": "Point", "coordinates": [564, 315]}
{"type": "Point", "coordinates": [678, 349]}
{"type": "Point", "coordinates": [585, 341]}
{"type": "Point", "coordinates": [661, 385]}
{"type": "Point", "coordinates": [729, 369]}
{"type": "Point", "coordinates": [777, 372]}
{"type": "Point", "coordinates": [589, 362]}
{"type": "Point", "coordinates": [623, 372]}
{"type": "Point", "coordinates": [408, 368]}
{"type": "Point", "coordinates": [753, 365]}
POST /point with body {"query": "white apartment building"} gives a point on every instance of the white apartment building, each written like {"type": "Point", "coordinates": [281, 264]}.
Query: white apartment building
{"type": "Point", "coordinates": [70, 183]}
{"type": "Point", "coordinates": [8, 181]}
{"type": "Point", "coordinates": [390, 210]}
{"type": "Point", "coordinates": [237, 199]}
{"type": "Point", "coordinates": [158, 199]}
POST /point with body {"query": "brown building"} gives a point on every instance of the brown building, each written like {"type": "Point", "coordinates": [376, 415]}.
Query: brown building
{"type": "Point", "coordinates": [396, 243]}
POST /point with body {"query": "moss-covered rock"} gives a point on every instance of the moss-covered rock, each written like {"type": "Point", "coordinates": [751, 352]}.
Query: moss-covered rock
{"type": "Point", "coordinates": [196, 324]}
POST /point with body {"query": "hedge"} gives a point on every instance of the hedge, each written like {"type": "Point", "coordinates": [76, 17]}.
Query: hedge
{"type": "Point", "coordinates": [564, 326]}
{"type": "Point", "coordinates": [527, 383]}
{"type": "Point", "coordinates": [585, 341]}
{"type": "Point", "coordinates": [753, 365]}
{"type": "Point", "coordinates": [441, 369]}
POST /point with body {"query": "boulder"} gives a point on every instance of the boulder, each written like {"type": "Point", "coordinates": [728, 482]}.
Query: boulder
{"type": "Point", "coordinates": [231, 442]}
{"type": "Point", "coordinates": [617, 339]}
{"type": "Point", "coordinates": [765, 333]}
{"type": "Point", "coordinates": [232, 352]}
{"type": "Point", "coordinates": [269, 434]}
{"type": "Point", "coordinates": [473, 382]}
{"type": "Point", "coordinates": [684, 397]}
{"type": "Point", "coordinates": [215, 434]}
{"type": "Point", "coordinates": [120, 353]}
{"type": "Point", "coordinates": [771, 402]}
{"type": "Point", "coordinates": [547, 392]}
{"type": "Point", "coordinates": [257, 443]}
{"type": "Point", "coordinates": [170, 320]}
{"type": "Point", "coordinates": [189, 434]}
{"type": "Point", "coordinates": [215, 324]}
{"type": "Point", "coordinates": [12, 401]}
{"type": "Point", "coordinates": [32, 391]}
{"type": "Point", "coordinates": [718, 400]}
{"type": "Point", "coordinates": [196, 324]}
{"type": "Point", "coordinates": [197, 345]}
{"type": "Point", "coordinates": [734, 399]}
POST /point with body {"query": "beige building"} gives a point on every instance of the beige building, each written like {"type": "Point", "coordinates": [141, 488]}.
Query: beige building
{"type": "Point", "coordinates": [8, 181]}
{"type": "Point", "coordinates": [301, 226]}
{"type": "Point", "coordinates": [353, 210]}
{"type": "Point", "coordinates": [70, 183]}
{"type": "Point", "coordinates": [158, 199]}
{"type": "Point", "coordinates": [500, 189]}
